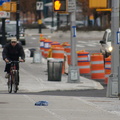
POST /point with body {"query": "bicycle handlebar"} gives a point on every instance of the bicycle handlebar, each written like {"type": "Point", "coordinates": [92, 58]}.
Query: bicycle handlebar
{"type": "Point", "coordinates": [13, 62]}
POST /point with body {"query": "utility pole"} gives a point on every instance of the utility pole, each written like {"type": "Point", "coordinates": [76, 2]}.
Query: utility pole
{"type": "Point", "coordinates": [112, 88]}
{"type": "Point", "coordinates": [52, 22]}
{"type": "Point", "coordinates": [17, 19]}
{"type": "Point", "coordinates": [73, 73]}
{"type": "Point", "coordinates": [39, 7]}
{"type": "Point", "coordinates": [3, 41]}
{"type": "Point", "coordinates": [58, 21]}
{"type": "Point", "coordinates": [40, 31]}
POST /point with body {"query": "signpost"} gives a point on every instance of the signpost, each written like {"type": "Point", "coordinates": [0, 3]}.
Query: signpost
{"type": "Point", "coordinates": [71, 5]}
{"type": "Point", "coordinates": [73, 73]}
{"type": "Point", "coordinates": [4, 14]}
{"type": "Point", "coordinates": [39, 5]}
{"type": "Point", "coordinates": [112, 87]}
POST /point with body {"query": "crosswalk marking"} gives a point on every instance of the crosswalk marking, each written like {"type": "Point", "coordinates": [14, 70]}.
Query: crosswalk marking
{"type": "Point", "coordinates": [87, 43]}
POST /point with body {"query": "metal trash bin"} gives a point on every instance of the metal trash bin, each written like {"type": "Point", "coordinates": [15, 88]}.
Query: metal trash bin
{"type": "Point", "coordinates": [32, 50]}
{"type": "Point", "coordinates": [54, 69]}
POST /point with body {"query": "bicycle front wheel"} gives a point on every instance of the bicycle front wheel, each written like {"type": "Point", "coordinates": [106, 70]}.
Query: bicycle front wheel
{"type": "Point", "coordinates": [15, 83]}
{"type": "Point", "coordinates": [10, 84]}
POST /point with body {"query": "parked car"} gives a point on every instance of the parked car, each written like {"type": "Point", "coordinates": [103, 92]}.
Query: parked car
{"type": "Point", "coordinates": [10, 27]}
{"type": "Point", "coordinates": [106, 47]}
{"type": "Point", "coordinates": [48, 23]}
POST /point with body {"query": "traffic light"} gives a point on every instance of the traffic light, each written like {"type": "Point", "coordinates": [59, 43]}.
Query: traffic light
{"type": "Point", "coordinates": [60, 5]}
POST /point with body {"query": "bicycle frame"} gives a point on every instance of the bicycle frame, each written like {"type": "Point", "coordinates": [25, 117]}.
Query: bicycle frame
{"type": "Point", "coordinates": [14, 77]}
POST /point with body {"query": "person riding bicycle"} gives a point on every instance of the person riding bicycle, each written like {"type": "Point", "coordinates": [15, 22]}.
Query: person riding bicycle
{"type": "Point", "coordinates": [11, 52]}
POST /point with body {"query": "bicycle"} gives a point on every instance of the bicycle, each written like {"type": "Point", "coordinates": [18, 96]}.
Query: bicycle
{"type": "Point", "coordinates": [13, 78]}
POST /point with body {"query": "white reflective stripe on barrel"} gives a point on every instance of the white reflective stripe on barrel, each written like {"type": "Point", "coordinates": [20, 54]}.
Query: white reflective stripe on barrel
{"type": "Point", "coordinates": [107, 65]}
{"type": "Point", "coordinates": [41, 44]}
{"type": "Point", "coordinates": [97, 71]}
{"type": "Point", "coordinates": [56, 51]}
{"type": "Point", "coordinates": [84, 66]}
{"type": "Point", "coordinates": [97, 62]}
{"type": "Point", "coordinates": [85, 58]}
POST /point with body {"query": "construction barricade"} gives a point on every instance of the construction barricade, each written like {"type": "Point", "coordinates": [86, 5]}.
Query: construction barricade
{"type": "Point", "coordinates": [83, 62]}
{"type": "Point", "coordinates": [67, 49]}
{"type": "Point", "coordinates": [47, 46]}
{"type": "Point", "coordinates": [107, 69]}
{"type": "Point", "coordinates": [55, 44]}
{"type": "Point", "coordinates": [42, 46]}
{"type": "Point", "coordinates": [64, 44]}
{"type": "Point", "coordinates": [58, 53]}
{"type": "Point", "coordinates": [97, 66]}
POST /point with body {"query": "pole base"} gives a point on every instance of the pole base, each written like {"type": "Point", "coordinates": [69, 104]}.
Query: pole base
{"type": "Point", "coordinates": [112, 87]}
{"type": "Point", "coordinates": [73, 74]}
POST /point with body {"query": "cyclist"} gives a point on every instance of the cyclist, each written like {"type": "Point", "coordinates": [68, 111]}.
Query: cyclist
{"type": "Point", "coordinates": [11, 52]}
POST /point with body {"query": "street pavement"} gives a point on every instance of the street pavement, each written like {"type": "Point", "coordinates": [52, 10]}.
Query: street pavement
{"type": "Point", "coordinates": [34, 79]}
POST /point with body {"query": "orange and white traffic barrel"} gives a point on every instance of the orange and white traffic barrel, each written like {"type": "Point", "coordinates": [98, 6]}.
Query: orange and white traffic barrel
{"type": "Point", "coordinates": [41, 36]}
{"type": "Point", "coordinates": [47, 46]}
{"type": "Point", "coordinates": [64, 44]}
{"type": "Point", "coordinates": [42, 46]}
{"type": "Point", "coordinates": [97, 66]}
{"type": "Point", "coordinates": [107, 69]}
{"type": "Point", "coordinates": [55, 44]}
{"type": "Point", "coordinates": [67, 49]}
{"type": "Point", "coordinates": [83, 62]}
{"type": "Point", "coordinates": [58, 53]}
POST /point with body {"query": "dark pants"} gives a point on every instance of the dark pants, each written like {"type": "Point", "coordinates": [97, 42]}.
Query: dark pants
{"type": "Point", "coordinates": [7, 67]}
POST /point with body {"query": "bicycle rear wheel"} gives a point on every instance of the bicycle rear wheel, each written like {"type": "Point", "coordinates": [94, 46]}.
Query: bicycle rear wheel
{"type": "Point", "coordinates": [15, 83]}
{"type": "Point", "coordinates": [9, 84]}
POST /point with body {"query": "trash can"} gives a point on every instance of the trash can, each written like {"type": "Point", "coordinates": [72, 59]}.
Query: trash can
{"type": "Point", "coordinates": [54, 69]}
{"type": "Point", "coordinates": [37, 57]}
{"type": "Point", "coordinates": [32, 50]}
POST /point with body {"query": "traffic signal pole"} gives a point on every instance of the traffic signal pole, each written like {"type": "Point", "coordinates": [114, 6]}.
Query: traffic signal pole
{"type": "Point", "coordinates": [40, 26]}
{"type": "Point", "coordinates": [64, 6]}
{"type": "Point", "coordinates": [73, 73]}
{"type": "Point", "coordinates": [3, 41]}
{"type": "Point", "coordinates": [112, 87]}
{"type": "Point", "coordinates": [17, 19]}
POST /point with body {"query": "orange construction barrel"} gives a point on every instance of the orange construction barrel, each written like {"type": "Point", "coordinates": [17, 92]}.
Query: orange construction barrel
{"type": "Point", "coordinates": [83, 62]}
{"type": "Point", "coordinates": [97, 66]}
{"type": "Point", "coordinates": [107, 68]}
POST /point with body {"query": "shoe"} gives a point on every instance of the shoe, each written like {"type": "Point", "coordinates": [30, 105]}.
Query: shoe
{"type": "Point", "coordinates": [7, 75]}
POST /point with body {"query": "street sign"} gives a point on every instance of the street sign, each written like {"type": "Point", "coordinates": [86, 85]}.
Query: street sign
{"type": "Point", "coordinates": [4, 14]}
{"type": "Point", "coordinates": [74, 31]}
{"type": "Point", "coordinates": [39, 5]}
{"type": "Point", "coordinates": [118, 37]}
{"type": "Point", "coordinates": [71, 5]}
{"type": "Point", "coordinates": [2, 1]}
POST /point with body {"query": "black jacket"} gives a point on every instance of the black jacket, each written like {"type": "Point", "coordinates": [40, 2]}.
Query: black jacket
{"type": "Point", "coordinates": [13, 53]}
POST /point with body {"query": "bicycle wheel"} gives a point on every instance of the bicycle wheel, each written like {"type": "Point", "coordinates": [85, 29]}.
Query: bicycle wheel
{"type": "Point", "coordinates": [15, 82]}
{"type": "Point", "coordinates": [9, 84]}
